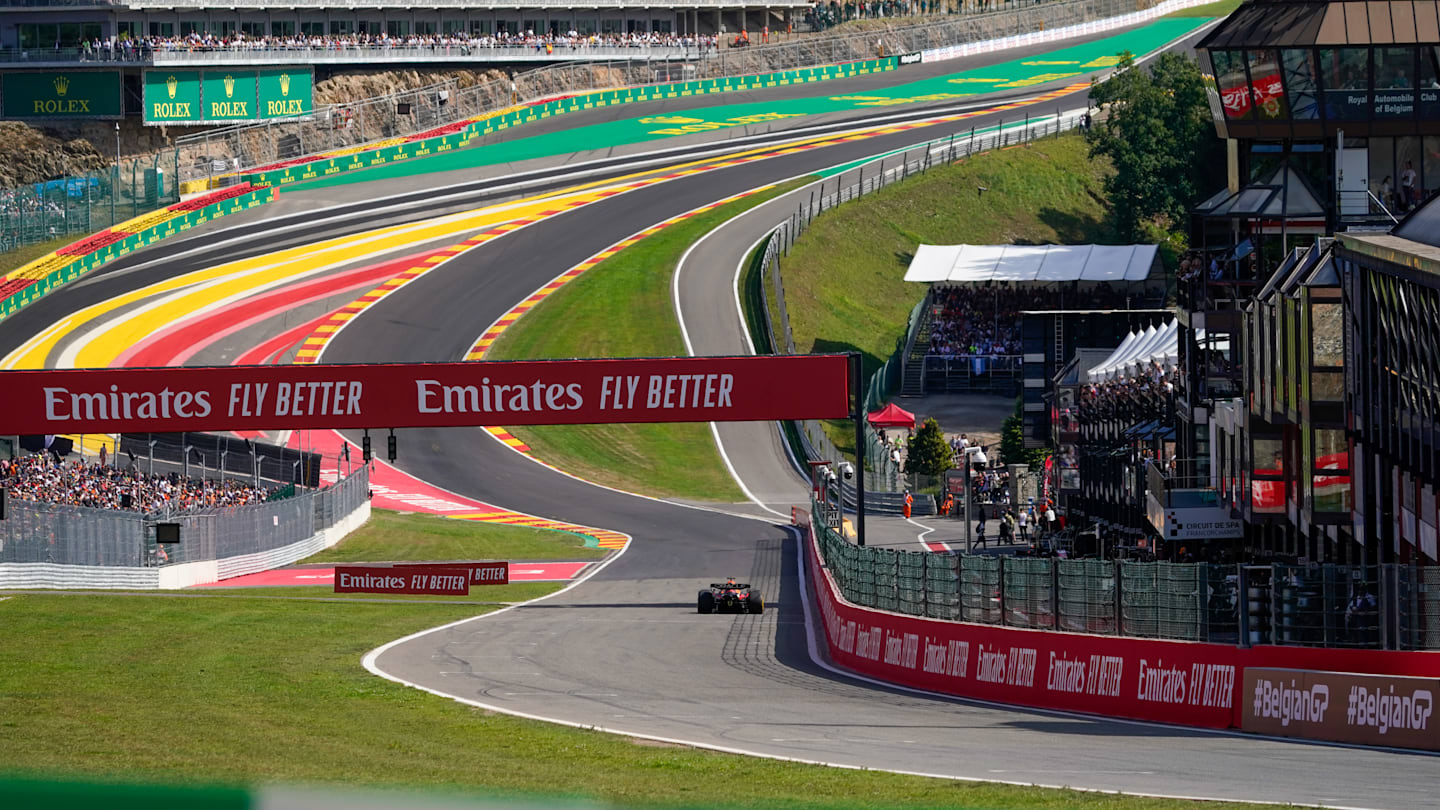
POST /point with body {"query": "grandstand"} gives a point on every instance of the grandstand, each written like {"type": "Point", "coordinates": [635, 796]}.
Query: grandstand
{"type": "Point", "coordinates": [65, 24]}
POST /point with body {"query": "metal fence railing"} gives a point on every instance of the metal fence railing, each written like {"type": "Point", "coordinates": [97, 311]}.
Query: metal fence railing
{"type": "Point", "coordinates": [84, 204]}
{"type": "Point", "coordinates": [871, 177]}
{"type": "Point", "coordinates": [1373, 607]}
{"type": "Point", "coordinates": [69, 535]}
{"type": "Point", "coordinates": [349, 125]}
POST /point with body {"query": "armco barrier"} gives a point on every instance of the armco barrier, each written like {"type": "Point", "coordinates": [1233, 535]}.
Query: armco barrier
{"type": "Point", "coordinates": [1185, 683]}
{"type": "Point", "coordinates": [419, 146]}
{"type": "Point", "coordinates": [38, 278]}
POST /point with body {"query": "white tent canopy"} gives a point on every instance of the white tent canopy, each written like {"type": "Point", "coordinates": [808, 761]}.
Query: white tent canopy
{"type": "Point", "coordinates": [1139, 349]}
{"type": "Point", "coordinates": [967, 264]}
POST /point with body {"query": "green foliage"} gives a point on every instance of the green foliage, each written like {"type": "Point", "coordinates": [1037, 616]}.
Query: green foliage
{"type": "Point", "coordinates": [1012, 443]}
{"type": "Point", "coordinates": [1158, 134]}
{"type": "Point", "coordinates": [929, 454]}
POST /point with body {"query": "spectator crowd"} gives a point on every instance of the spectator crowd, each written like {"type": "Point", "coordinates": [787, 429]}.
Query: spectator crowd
{"type": "Point", "coordinates": [1149, 391]}
{"type": "Point", "coordinates": [142, 48]}
{"type": "Point", "coordinates": [827, 14]}
{"type": "Point", "coordinates": [983, 320]}
{"type": "Point", "coordinates": [42, 478]}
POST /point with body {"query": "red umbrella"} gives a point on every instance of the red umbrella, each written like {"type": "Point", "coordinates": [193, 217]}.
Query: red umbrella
{"type": "Point", "coordinates": [892, 415]}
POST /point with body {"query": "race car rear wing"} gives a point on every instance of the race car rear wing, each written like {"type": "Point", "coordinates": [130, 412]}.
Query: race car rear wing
{"type": "Point", "coordinates": [738, 585]}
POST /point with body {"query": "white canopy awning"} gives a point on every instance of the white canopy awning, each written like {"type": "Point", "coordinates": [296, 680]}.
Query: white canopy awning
{"type": "Point", "coordinates": [1046, 264]}
{"type": "Point", "coordinates": [1139, 349]}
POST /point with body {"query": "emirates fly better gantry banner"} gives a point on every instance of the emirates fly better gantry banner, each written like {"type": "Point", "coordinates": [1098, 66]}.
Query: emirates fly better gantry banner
{"type": "Point", "coordinates": [550, 392]}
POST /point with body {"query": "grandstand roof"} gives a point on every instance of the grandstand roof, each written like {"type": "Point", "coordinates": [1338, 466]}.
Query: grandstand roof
{"type": "Point", "coordinates": [1139, 348]}
{"type": "Point", "coordinates": [1043, 264]}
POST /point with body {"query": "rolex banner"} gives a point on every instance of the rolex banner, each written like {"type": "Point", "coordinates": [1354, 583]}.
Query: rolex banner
{"type": "Point", "coordinates": [63, 94]}
{"type": "Point", "coordinates": [229, 95]}
{"type": "Point", "coordinates": [285, 92]}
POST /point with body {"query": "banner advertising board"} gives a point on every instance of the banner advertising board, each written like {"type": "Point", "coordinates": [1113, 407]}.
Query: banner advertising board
{"type": "Point", "coordinates": [63, 94]}
{"type": "Point", "coordinates": [172, 96]}
{"type": "Point", "coordinates": [547, 392]}
{"type": "Point", "coordinates": [481, 573]}
{"type": "Point", "coordinates": [1192, 522]}
{"type": "Point", "coordinates": [193, 97]}
{"type": "Point", "coordinates": [435, 580]}
{"type": "Point", "coordinates": [1388, 710]}
{"type": "Point", "coordinates": [229, 95]}
{"type": "Point", "coordinates": [284, 93]}
{"type": "Point", "coordinates": [1166, 681]}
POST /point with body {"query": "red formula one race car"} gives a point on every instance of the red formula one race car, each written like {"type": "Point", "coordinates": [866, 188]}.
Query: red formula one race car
{"type": "Point", "coordinates": [730, 597]}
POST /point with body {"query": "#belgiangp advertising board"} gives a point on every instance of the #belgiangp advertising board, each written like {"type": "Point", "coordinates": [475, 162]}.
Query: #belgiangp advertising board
{"type": "Point", "coordinates": [63, 94]}
{"type": "Point", "coordinates": [547, 392]}
{"type": "Point", "coordinates": [229, 95]}
{"type": "Point", "coordinates": [1344, 707]}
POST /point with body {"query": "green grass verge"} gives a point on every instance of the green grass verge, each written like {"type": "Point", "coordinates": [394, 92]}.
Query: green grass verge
{"type": "Point", "coordinates": [12, 259]}
{"type": "Point", "coordinates": [1217, 9]}
{"type": "Point", "coordinates": [393, 536]}
{"type": "Point", "coordinates": [844, 282]}
{"type": "Point", "coordinates": [235, 691]}
{"type": "Point", "coordinates": [622, 308]}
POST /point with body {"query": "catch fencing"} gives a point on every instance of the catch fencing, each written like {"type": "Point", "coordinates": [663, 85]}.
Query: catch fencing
{"type": "Point", "coordinates": [868, 178]}
{"type": "Point", "coordinates": [338, 127]}
{"type": "Point", "coordinates": [1312, 606]}
{"type": "Point", "coordinates": [79, 536]}
{"type": "Point", "coordinates": [84, 204]}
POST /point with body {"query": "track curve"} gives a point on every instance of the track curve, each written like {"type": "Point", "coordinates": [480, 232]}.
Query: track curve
{"type": "Point", "coordinates": [625, 650]}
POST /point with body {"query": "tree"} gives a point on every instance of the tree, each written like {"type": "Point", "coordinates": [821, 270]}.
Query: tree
{"type": "Point", "coordinates": [1158, 134]}
{"type": "Point", "coordinates": [1012, 442]}
{"type": "Point", "coordinates": [929, 454]}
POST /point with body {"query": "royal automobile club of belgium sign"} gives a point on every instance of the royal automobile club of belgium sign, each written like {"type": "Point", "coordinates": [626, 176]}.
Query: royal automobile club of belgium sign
{"type": "Point", "coordinates": [62, 94]}
{"type": "Point", "coordinates": [199, 97]}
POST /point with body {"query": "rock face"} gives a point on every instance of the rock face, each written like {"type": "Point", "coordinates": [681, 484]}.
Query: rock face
{"type": "Point", "coordinates": [353, 85]}
{"type": "Point", "coordinates": [28, 155]}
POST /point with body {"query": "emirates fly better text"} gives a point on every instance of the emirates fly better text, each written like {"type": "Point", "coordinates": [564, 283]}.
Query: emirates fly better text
{"type": "Point", "coordinates": [347, 398]}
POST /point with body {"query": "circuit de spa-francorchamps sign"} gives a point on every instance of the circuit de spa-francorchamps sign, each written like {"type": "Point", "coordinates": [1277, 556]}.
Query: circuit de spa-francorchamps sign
{"type": "Point", "coordinates": [62, 94]}
{"type": "Point", "coordinates": [226, 96]}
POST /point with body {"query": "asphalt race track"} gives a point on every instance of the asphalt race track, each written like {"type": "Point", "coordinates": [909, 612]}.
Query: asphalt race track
{"type": "Point", "coordinates": [625, 649]}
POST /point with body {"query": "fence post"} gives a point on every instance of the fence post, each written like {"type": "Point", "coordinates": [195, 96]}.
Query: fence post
{"type": "Point", "coordinates": [1119, 599]}
{"type": "Point", "coordinates": [1000, 585]}
{"type": "Point", "coordinates": [1054, 593]}
{"type": "Point", "coordinates": [1202, 591]}
{"type": "Point", "coordinates": [1242, 603]}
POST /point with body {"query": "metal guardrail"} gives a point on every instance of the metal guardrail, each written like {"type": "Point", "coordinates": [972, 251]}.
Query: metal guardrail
{"type": "Point", "coordinates": [889, 169]}
{"type": "Point", "coordinates": [53, 533]}
{"type": "Point", "coordinates": [1370, 607]}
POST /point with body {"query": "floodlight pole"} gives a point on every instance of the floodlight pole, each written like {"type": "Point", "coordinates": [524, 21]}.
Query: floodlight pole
{"type": "Point", "coordinates": [859, 416]}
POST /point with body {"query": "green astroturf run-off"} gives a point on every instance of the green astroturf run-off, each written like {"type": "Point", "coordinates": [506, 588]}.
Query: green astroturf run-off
{"type": "Point", "coordinates": [1076, 64]}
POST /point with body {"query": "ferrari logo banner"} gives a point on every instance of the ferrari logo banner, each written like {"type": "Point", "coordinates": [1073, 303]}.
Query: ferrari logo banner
{"type": "Point", "coordinates": [550, 392]}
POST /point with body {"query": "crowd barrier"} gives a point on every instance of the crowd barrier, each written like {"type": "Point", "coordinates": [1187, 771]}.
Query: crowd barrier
{"type": "Point", "coordinates": [1185, 683]}
{"type": "Point", "coordinates": [1087, 28]}
{"type": "Point", "coordinates": [34, 280]}
{"type": "Point", "coordinates": [460, 135]}
{"type": "Point", "coordinates": [56, 546]}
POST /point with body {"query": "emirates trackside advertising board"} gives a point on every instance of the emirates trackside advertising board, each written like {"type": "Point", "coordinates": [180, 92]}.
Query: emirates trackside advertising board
{"type": "Point", "coordinates": [1166, 681]}
{"type": "Point", "coordinates": [1185, 683]}
{"type": "Point", "coordinates": [554, 392]}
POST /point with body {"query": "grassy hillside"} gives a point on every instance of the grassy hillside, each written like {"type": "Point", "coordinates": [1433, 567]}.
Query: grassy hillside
{"type": "Point", "coordinates": [843, 280]}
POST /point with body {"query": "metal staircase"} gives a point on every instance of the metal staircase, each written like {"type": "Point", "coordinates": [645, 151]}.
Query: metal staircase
{"type": "Point", "coordinates": [912, 382]}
